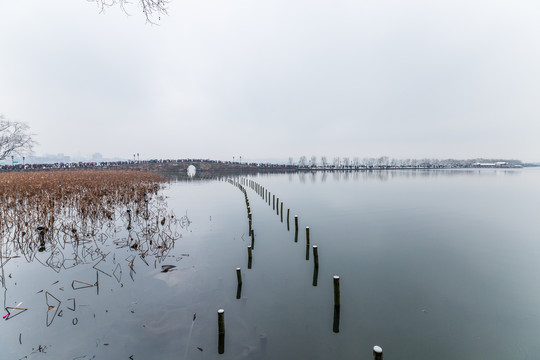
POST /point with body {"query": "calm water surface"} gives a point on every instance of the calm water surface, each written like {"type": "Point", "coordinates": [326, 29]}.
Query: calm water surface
{"type": "Point", "coordinates": [433, 265]}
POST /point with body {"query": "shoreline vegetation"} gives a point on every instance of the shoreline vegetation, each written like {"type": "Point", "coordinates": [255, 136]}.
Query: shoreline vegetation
{"type": "Point", "coordinates": [218, 166]}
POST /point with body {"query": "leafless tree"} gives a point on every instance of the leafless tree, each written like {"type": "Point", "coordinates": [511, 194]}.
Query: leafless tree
{"type": "Point", "coordinates": [313, 161]}
{"type": "Point", "coordinates": [291, 160]}
{"type": "Point", "coordinates": [382, 161]}
{"type": "Point", "coordinates": [14, 138]}
{"type": "Point", "coordinates": [369, 162]}
{"type": "Point", "coordinates": [302, 161]}
{"type": "Point", "coordinates": [150, 8]}
{"type": "Point", "coordinates": [337, 162]}
{"type": "Point", "coordinates": [324, 161]}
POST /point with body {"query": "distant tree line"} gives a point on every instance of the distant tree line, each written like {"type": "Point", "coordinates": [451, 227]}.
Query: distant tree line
{"type": "Point", "coordinates": [386, 162]}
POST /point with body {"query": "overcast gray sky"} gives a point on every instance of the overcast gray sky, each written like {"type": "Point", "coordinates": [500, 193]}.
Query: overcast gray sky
{"type": "Point", "coordinates": [276, 78]}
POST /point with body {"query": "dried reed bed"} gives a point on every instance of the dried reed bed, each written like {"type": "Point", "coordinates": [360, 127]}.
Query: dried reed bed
{"type": "Point", "coordinates": [45, 211]}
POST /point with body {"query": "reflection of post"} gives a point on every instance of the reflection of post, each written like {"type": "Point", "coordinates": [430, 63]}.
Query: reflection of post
{"type": "Point", "coordinates": [239, 291]}
{"type": "Point", "coordinates": [129, 219]}
{"type": "Point", "coordinates": [221, 331]}
{"type": "Point", "coordinates": [263, 339]}
{"type": "Point", "coordinates": [252, 239]}
{"type": "Point", "coordinates": [335, 325]}
{"type": "Point", "coordinates": [41, 230]}
{"type": "Point", "coordinates": [307, 252]}
{"type": "Point", "coordinates": [315, 275]}
{"type": "Point", "coordinates": [250, 256]}
{"type": "Point", "coordinates": [377, 353]}
{"type": "Point", "coordinates": [146, 202]}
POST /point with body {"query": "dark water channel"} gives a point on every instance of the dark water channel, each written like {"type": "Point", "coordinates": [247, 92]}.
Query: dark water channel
{"type": "Point", "coordinates": [432, 265]}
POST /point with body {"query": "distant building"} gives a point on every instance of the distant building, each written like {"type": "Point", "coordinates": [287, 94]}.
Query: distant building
{"type": "Point", "coordinates": [498, 164]}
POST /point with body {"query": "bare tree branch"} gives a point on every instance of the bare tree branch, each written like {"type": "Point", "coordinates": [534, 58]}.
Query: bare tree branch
{"type": "Point", "coordinates": [150, 8]}
{"type": "Point", "coordinates": [14, 138]}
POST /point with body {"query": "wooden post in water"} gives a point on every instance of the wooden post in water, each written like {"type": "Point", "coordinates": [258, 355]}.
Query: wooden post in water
{"type": "Point", "coordinates": [239, 286]}
{"type": "Point", "coordinates": [282, 211]}
{"type": "Point", "coordinates": [129, 216]}
{"type": "Point", "coordinates": [239, 276]}
{"type": "Point", "coordinates": [316, 256]}
{"type": "Point", "coordinates": [273, 202]}
{"type": "Point", "coordinates": [221, 331]}
{"type": "Point", "coordinates": [252, 239]}
{"type": "Point", "coordinates": [221, 321]}
{"type": "Point", "coordinates": [277, 207]}
{"type": "Point", "coordinates": [337, 306]}
{"type": "Point", "coordinates": [377, 353]}
{"type": "Point", "coordinates": [307, 235]}
{"type": "Point", "coordinates": [295, 228]}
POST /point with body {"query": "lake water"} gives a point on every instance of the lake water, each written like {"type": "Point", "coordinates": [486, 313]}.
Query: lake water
{"type": "Point", "coordinates": [433, 265]}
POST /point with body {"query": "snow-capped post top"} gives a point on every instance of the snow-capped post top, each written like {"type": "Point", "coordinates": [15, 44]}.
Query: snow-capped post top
{"type": "Point", "coordinates": [377, 353]}
{"type": "Point", "coordinates": [337, 301]}
{"type": "Point", "coordinates": [221, 321]}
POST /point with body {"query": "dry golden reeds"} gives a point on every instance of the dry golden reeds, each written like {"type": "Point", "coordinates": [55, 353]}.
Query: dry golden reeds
{"type": "Point", "coordinates": [45, 210]}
